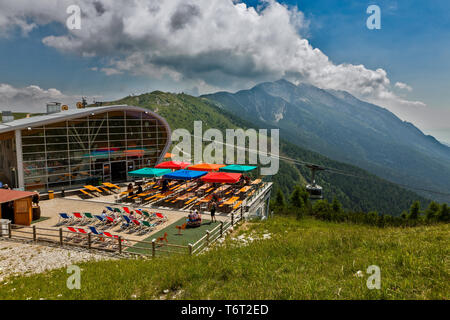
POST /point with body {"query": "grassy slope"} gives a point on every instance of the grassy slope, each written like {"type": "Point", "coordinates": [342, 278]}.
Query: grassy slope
{"type": "Point", "coordinates": [305, 259]}
{"type": "Point", "coordinates": [182, 110]}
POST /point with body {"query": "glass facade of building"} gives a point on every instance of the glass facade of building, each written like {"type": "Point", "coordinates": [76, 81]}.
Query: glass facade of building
{"type": "Point", "coordinates": [101, 147]}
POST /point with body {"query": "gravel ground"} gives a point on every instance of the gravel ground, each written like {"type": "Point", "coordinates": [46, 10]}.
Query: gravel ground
{"type": "Point", "coordinates": [18, 258]}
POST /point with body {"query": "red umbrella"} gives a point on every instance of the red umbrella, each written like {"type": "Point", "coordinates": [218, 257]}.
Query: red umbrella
{"type": "Point", "coordinates": [222, 177]}
{"type": "Point", "coordinates": [172, 165]}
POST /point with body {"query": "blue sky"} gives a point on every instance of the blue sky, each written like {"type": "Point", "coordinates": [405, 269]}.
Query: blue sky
{"type": "Point", "coordinates": [413, 47]}
{"type": "Point", "coordinates": [413, 44]}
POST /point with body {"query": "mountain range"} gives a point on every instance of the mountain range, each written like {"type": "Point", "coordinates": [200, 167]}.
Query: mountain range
{"type": "Point", "coordinates": [344, 128]}
{"type": "Point", "coordinates": [368, 193]}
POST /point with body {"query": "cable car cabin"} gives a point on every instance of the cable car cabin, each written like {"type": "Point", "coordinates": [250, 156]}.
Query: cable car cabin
{"type": "Point", "coordinates": [315, 191]}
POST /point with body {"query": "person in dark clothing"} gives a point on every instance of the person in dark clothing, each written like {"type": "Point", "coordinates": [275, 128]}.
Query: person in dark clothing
{"type": "Point", "coordinates": [213, 212]}
{"type": "Point", "coordinates": [139, 190]}
{"type": "Point", "coordinates": [165, 185]}
{"type": "Point", "coordinates": [35, 199]}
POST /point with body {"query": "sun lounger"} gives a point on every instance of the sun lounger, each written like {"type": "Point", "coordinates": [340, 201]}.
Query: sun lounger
{"type": "Point", "coordinates": [110, 220]}
{"type": "Point", "coordinates": [102, 221]}
{"type": "Point", "coordinates": [98, 235]}
{"type": "Point", "coordinates": [149, 226]}
{"type": "Point", "coordinates": [79, 218]}
{"type": "Point", "coordinates": [74, 236]}
{"type": "Point", "coordinates": [64, 218]}
{"type": "Point", "coordinates": [89, 217]}
{"type": "Point", "coordinates": [95, 231]}
{"type": "Point", "coordinates": [146, 214]}
{"type": "Point", "coordinates": [137, 225]}
{"type": "Point", "coordinates": [126, 210]}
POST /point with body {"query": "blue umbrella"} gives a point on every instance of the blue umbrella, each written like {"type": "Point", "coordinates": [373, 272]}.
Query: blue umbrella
{"type": "Point", "coordinates": [185, 175]}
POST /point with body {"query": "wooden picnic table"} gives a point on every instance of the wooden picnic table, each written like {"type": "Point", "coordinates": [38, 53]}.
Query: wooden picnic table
{"type": "Point", "coordinates": [229, 201]}
{"type": "Point", "coordinates": [92, 188]}
{"type": "Point", "coordinates": [184, 197]}
{"type": "Point", "coordinates": [257, 181]}
{"type": "Point", "coordinates": [205, 186]}
{"type": "Point", "coordinates": [245, 189]}
{"type": "Point", "coordinates": [111, 185]}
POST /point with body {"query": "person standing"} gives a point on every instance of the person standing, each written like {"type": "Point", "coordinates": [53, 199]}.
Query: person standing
{"type": "Point", "coordinates": [213, 212]}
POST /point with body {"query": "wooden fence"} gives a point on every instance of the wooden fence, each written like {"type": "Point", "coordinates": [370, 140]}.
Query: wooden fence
{"type": "Point", "coordinates": [119, 244]}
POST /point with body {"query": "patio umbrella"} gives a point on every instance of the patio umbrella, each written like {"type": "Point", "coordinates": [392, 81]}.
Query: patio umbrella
{"type": "Point", "coordinates": [172, 165]}
{"type": "Point", "coordinates": [206, 167]}
{"type": "Point", "coordinates": [148, 172]}
{"type": "Point", "coordinates": [185, 175]}
{"type": "Point", "coordinates": [222, 177]}
{"type": "Point", "coordinates": [237, 168]}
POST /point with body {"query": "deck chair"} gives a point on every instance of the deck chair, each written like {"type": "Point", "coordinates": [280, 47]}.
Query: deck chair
{"type": "Point", "coordinates": [110, 220]}
{"type": "Point", "coordinates": [126, 224]}
{"type": "Point", "coordinates": [74, 235]}
{"type": "Point", "coordinates": [89, 217]}
{"type": "Point", "coordinates": [137, 225]}
{"type": "Point", "coordinates": [94, 231]}
{"type": "Point", "coordinates": [161, 217]}
{"type": "Point", "coordinates": [113, 238]}
{"type": "Point", "coordinates": [146, 215]}
{"type": "Point", "coordinates": [126, 210]}
{"type": "Point", "coordinates": [101, 220]}
{"type": "Point", "coordinates": [64, 218]}
{"type": "Point", "coordinates": [147, 225]}
{"type": "Point", "coordinates": [82, 231]}
{"type": "Point", "coordinates": [79, 217]}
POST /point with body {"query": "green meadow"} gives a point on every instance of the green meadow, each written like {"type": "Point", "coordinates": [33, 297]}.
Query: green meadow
{"type": "Point", "coordinates": [299, 259]}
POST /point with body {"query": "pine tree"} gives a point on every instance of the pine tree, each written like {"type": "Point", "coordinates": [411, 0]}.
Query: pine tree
{"type": "Point", "coordinates": [280, 202]}
{"type": "Point", "coordinates": [414, 211]}
{"type": "Point", "coordinates": [296, 199]}
{"type": "Point", "coordinates": [444, 213]}
{"type": "Point", "coordinates": [404, 215]}
{"type": "Point", "coordinates": [432, 211]}
{"type": "Point", "coordinates": [336, 205]}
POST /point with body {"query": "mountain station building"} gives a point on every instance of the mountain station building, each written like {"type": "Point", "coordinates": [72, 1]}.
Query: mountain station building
{"type": "Point", "coordinates": [71, 148]}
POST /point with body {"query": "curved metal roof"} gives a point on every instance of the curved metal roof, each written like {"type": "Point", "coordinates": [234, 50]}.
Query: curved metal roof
{"type": "Point", "coordinates": [37, 121]}
{"type": "Point", "coordinates": [71, 114]}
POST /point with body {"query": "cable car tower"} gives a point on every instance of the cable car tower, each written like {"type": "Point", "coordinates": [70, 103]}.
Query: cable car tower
{"type": "Point", "coordinates": [314, 190]}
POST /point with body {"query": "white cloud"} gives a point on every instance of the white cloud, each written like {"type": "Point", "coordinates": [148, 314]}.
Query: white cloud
{"type": "Point", "coordinates": [208, 44]}
{"type": "Point", "coordinates": [403, 86]}
{"type": "Point", "coordinates": [31, 98]}
{"type": "Point", "coordinates": [111, 71]}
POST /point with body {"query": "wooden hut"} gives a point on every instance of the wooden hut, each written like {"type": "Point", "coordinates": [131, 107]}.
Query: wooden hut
{"type": "Point", "coordinates": [16, 206]}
